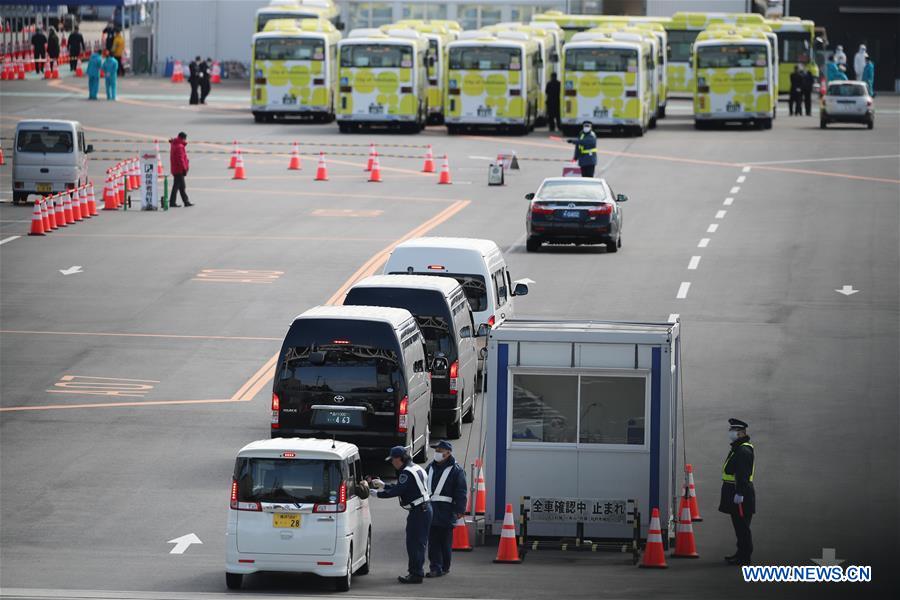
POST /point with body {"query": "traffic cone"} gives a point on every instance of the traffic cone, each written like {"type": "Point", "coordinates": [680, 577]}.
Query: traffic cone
{"type": "Point", "coordinates": [685, 547]}
{"type": "Point", "coordinates": [59, 211]}
{"type": "Point", "coordinates": [78, 71]}
{"type": "Point", "coordinates": [55, 73]}
{"type": "Point", "coordinates": [322, 169]}
{"type": "Point", "coordinates": [120, 185]}
{"type": "Point", "coordinates": [692, 493]}
{"type": "Point", "coordinates": [37, 221]}
{"type": "Point", "coordinates": [45, 216]}
{"type": "Point", "coordinates": [83, 196]}
{"type": "Point", "coordinates": [375, 171]}
{"type": "Point", "coordinates": [159, 167]}
{"type": "Point", "coordinates": [177, 72]}
{"type": "Point", "coordinates": [109, 194]}
{"type": "Point", "coordinates": [51, 212]}
{"type": "Point", "coordinates": [67, 209]}
{"type": "Point", "coordinates": [508, 551]}
{"type": "Point", "coordinates": [428, 167]}
{"type": "Point", "coordinates": [92, 201]}
{"type": "Point", "coordinates": [294, 165]}
{"type": "Point", "coordinates": [654, 554]}
{"type": "Point", "coordinates": [514, 162]}
{"type": "Point", "coordinates": [480, 489]}
{"type": "Point", "coordinates": [461, 536]}
{"type": "Point", "coordinates": [76, 205]}
{"type": "Point", "coordinates": [239, 172]}
{"type": "Point", "coordinates": [234, 152]}
{"type": "Point", "coordinates": [216, 73]}
{"type": "Point", "coordinates": [445, 172]}
{"type": "Point", "coordinates": [20, 72]}
{"type": "Point", "coordinates": [371, 160]}
{"type": "Point", "coordinates": [2, 160]}
{"type": "Point", "coordinates": [133, 172]}
{"type": "Point", "coordinates": [47, 72]}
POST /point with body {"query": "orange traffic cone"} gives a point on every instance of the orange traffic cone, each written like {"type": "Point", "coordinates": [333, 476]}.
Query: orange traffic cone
{"type": "Point", "coordinates": [294, 165]}
{"type": "Point", "coordinates": [51, 212]}
{"type": "Point", "coordinates": [47, 72]}
{"type": "Point", "coordinates": [92, 201]}
{"type": "Point", "coordinates": [109, 193]}
{"type": "Point", "coordinates": [177, 72]}
{"type": "Point", "coordinates": [83, 196]}
{"type": "Point", "coordinates": [371, 160]}
{"type": "Point", "coordinates": [45, 216]}
{"type": "Point", "coordinates": [685, 547]}
{"type": "Point", "coordinates": [20, 72]}
{"type": "Point", "coordinates": [59, 211]}
{"type": "Point", "coordinates": [692, 493]}
{"type": "Point", "coordinates": [78, 71]}
{"type": "Point", "coordinates": [239, 172]}
{"type": "Point", "coordinates": [119, 179]}
{"type": "Point", "coordinates": [480, 489]}
{"type": "Point", "coordinates": [159, 167]}
{"type": "Point", "coordinates": [55, 73]}
{"type": "Point", "coordinates": [37, 221]}
{"type": "Point", "coordinates": [461, 536]}
{"type": "Point", "coordinates": [428, 167]}
{"type": "Point", "coordinates": [445, 172]}
{"type": "Point", "coordinates": [134, 174]}
{"type": "Point", "coordinates": [375, 171]}
{"type": "Point", "coordinates": [216, 76]}
{"type": "Point", "coordinates": [322, 169]}
{"type": "Point", "coordinates": [508, 551]}
{"type": "Point", "coordinates": [76, 205]}
{"type": "Point", "coordinates": [2, 160]}
{"type": "Point", "coordinates": [67, 209]}
{"type": "Point", "coordinates": [234, 152]}
{"type": "Point", "coordinates": [654, 554]}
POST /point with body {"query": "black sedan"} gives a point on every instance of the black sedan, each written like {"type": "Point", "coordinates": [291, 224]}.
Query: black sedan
{"type": "Point", "coordinates": [574, 210]}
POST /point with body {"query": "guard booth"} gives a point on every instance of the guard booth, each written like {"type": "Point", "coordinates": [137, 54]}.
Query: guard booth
{"type": "Point", "coordinates": [580, 427]}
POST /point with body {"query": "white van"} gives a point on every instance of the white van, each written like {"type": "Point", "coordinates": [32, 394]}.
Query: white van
{"type": "Point", "coordinates": [49, 156]}
{"type": "Point", "coordinates": [478, 266]}
{"type": "Point", "coordinates": [442, 311]}
{"type": "Point", "coordinates": [298, 505]}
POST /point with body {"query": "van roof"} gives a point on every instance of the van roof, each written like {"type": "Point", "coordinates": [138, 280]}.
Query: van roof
{"type": "Point", "coordinates": [486, 247]}
{"type": "Point", "coordinates": [304, 447]}
{"type": "Point", "coordinates": [47, 123]}
{"type": "Point", "coordinates": [395, 317]}
{"type": "Point", "coordinates": [445, 285]}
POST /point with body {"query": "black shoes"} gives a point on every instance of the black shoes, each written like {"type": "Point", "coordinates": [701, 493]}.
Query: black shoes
{"type": "Point", "coordinates": [737, 560]}
{"type": "Point", "coordinates": [434, 574]}
{"type": "Point", "coordinates": [409, 579]}
{"type": "Point", "coordinates": [186, 203]}
{"type": "Point", "coordinates": [173, 205]}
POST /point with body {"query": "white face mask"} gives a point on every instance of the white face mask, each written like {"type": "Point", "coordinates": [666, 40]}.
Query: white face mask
{"type": "Point", "coordinates": [733, 436]}
{"type": "Point", "coordinates": [586, 129]}
{"type": "Point", "coordinates": [439, 457]}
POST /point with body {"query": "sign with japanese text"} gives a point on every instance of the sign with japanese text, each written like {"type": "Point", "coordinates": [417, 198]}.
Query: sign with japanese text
{"type": "Point", "coordinates": [578, 510]}
{"type": "Point", "coordinates": [149, 193]}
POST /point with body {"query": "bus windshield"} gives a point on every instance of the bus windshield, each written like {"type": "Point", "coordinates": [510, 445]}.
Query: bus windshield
{"type": "Point", "coordinates": [377, 56]}
{"type": "Point", "coordinates": [289, 49]}
{"type": "Point", "coordinates": [794, 46]}
{"type": "Point", "coordinates": [601, 59]}
{"type": "Point", "coordinates": [731, 56]}
{"type": "Point", "coordinates": [487, 58]}
{"type": "Point", "coordinates": [680, 42]}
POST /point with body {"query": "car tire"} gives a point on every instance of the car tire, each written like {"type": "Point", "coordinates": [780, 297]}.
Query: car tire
{"type": "Point", "coordinates": [619, 241]}
{"type": "Point", "coordinates": [454, 430]}
{"type": "Point", "coordinates": [469, 417]}
{"type": "Point", "coordinates": [233, 581]}
{"type": "Point", "coordinates": [20, 197]}
{"type": "Point", "coordinates": [870, 124]}
{"type": "Point", "coordinates": [342, 583]}
{"type": "Point", "coordinates": [612, 247]}
{"type": "Point", "coordinates": [422, 455]}
{"type": "Point", "coordinates": [532, 245]}
{"type": "Point", "coordinates": [364, 570]}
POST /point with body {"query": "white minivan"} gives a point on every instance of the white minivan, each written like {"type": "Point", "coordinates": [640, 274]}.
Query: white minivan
{"type": "Point", "coordinates": [49, 156]}
{"type": "Point", "coordinates": [478, 266]}
{"type": "Point", "coordinates": [298, 505]}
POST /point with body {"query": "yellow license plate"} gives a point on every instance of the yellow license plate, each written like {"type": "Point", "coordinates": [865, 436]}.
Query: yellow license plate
{"type": "Point", "coordinates": [45, 187]}
{"type": "Point", "coordinates": [285, 521]}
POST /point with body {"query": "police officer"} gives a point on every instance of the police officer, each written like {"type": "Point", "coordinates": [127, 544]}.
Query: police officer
{"type": "Point", "coordinates": [447, 482]}
{"type": "Point", "coordinates": [412, 489]}
{"type": "Point", "coordinates": [586, 149]}
{"type": "Point", "coordinates": [738, 498]}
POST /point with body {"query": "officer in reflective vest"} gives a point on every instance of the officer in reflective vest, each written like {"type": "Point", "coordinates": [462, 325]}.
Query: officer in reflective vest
{"type": "Point", "coordinates": [586, 150]}
{"type": "Point", "coordinates": [738, 497]}
{"type": "Point", "coordinates": [447, 482]}
{"type": "Point", "coordinates": [412, 489]}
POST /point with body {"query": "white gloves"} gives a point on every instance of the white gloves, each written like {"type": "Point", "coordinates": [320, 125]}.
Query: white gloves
{"type": "Point", "coordinates": [738, 499]}
{"type": "Point", "coordinates": [377, 484]}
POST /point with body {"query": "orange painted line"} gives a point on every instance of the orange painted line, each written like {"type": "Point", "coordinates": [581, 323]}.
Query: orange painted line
{"type": "Point", "coordinates": [825, 174]}
{"type": "Point", "coordinates": [239, 190]}
{"type": "Point", "coordinates": [274, 238]}
{"type": "Point", "coordinates": [112, 405]}
{"type": "Point", "coordinates": [142, 335]}
{"type": "Point", "coordinates": [261, 374]}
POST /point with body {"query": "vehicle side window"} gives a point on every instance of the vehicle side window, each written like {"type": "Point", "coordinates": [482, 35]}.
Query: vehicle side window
{"type": "Point", "coordinates": [81, 141]}
{"type": "Point", "coordinates": [349, 468]}
{"type": "Point", "coordinates": [500, 286]}
{"type": "Point", "coordinates": [357, 465]}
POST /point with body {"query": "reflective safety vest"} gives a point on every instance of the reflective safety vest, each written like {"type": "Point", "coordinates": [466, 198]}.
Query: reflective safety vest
{"type": "Point", "coordinates": [730, 477]}
{"type": "Point", "coordinates": [436, 496]}
{"type": "Point", "coordinates": [581, 149]}
{"type": "Point", "coordinates": [418, 474]}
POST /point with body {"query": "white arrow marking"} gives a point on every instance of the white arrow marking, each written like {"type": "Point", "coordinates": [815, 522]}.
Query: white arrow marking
{"type": "Point", "coordinates": [183, 543]}
{"type": "Point", "coordinates": [829, 558]}
{"type": "Point", "coordinates": [847, 290]}
{"type": "Point", "coordinates": [71, 270]}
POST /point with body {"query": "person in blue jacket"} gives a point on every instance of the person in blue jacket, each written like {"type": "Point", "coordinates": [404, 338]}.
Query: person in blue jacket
{"type": "Point", "coordinates": [447, 482]}
{"type": "Point", "coordinates": [110, 72]}
{"type": "Point", "coordinates": [95, 64]}
{"type": "Point", "coordinates": [868, 75]}
{"type": "Point", "coordinates": [586, 149]}
{"type": "Point", "coordinates": [412, 489]}
{"type": "Point", "coordinates": [833, 72]}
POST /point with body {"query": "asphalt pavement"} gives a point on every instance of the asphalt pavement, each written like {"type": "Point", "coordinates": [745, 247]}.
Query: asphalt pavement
{"type": "Point", "coordinates": [127, 388]}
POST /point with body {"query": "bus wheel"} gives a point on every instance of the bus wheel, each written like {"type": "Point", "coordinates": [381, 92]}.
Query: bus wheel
{"type": "Point", "coordinates": [653, 123]}
{"type": "Point", "coordinates": [344, 127]}
{"type": "Point", "coordinates": [452, 129]}
{"type": "Point", "coordinates": [639, 131]}
{"type": "Point", "coordinates": [258, 117]}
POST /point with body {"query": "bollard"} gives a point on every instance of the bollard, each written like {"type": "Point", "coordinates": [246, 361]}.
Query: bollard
{"type": "Point", "coordinates": [165, 198]}
{"type": "Point", "coordinates": [126, 199]}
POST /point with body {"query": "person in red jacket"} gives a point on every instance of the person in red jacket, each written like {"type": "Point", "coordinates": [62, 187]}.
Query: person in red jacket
{"type": "Point", "coordinates": [179, 164]}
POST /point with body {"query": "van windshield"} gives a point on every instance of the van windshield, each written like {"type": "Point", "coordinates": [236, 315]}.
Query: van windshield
{"type": "Point", "coordinates": [287, 480]}
{"type": "Point", "coordinates": [472, 285]}
{"type": "Point", "coordinates": [46, 141]}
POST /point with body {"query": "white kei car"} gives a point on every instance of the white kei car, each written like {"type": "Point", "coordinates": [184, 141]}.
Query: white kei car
{"type": "Point", "coordinates": [847, 102]}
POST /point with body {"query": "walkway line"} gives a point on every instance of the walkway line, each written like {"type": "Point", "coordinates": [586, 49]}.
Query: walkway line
{"type": "Point", "coordinates": [9, 239]}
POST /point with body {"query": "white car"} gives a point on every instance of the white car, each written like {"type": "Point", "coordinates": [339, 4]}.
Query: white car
{"type": "Point", "coordinates": [298, 505]}
{"type": "Point", "coordinates": [847, 102]}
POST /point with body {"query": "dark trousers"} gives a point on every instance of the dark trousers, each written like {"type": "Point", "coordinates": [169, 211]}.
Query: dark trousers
{"type": "Point", "coordinates": [440, 548]}
{"type": "Point", "coordinates": [204, 91]}
{"type": "Point", "coordinates": [794, 103]}
{"type": "Point", "coordinates": [121, 66]}
{"type": "Point", "coordinates": [195, 98]}
{"type": "Point", "coordinates": [39, 61]}
{"type": "Point", "coordinates": [73, 64]}
{"type": "Point", "coordinates": [742, 532]}
{"type": "Point", "coordinates": [807, 102]}
{"type": "Point", "coordinates": [588, 170]}
{"type": "Point", "coordinates": [418, 522]}
{"type": "Point", "coordinates": [178, 186]}
{"type": "Point", "coordinates": [553, 119]}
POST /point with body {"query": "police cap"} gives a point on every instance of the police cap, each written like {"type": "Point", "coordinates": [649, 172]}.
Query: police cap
{"type": "Point", "coordinates": [736, 424]}
{"type": "Point", "coordinates": [443, 445]}
{"type": "Point", "coordinates": [397, 452]}
{"type": "Point", "coordinates": [587, 123]}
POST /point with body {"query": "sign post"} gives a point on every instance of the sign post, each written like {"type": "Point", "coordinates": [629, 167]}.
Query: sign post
{"type": "Point", "coordinates": [149, 194]}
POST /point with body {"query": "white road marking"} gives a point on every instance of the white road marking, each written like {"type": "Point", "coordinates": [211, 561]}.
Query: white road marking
{"type": "Point", "coordinates": [834, 159]}
{"type": "Point", "coordinates": [742, 179]}
{"type": "Point", "coordinates": [683, 290]}
{"type": "Point", "coordinates": [735, 189]}
{"type": "Point", "coordinates": [721, 214]}
{"type": "Point", "coordinates": [516, 244]}
{"type": "Point", "coordinates": [712, 228]}
{"type": "Point", "coordinates": [183, 543]}
{"type": "Point", "coordinates": [847, 290]}
{"type": "Point", "coordinates": [745, 170]}
{"type": "Point", "coordinates": [9, 239]}
{"type": "Point", "coordinates": [673, 317]}
{"type": "Point", "coordinates": [482, 158]}
{"type": "Point", "coordinates": [694, 263]}
{"type": "Point", "coordinates": [703, 243]}
{"type": "Point", "coordinates": [728, 201]}
{"type": "Point", "coordinates": [71, 270]}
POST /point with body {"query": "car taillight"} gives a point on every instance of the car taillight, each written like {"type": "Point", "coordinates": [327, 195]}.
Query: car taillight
{"type": "Point", "coordinates": [869, 103]}
{"type": "Point", "coordinates": [276, 410]}
{"type": "Point", "coordinates": [401, 417]}
{"type": "Point", "coordinates": [491, 321]}
{"type": "Point", "coordinates": [234, 493]}
{"type": "Point", "coordinates": [540, 209]}
{"type": "Point", "coordinates": [339, 507]}
{"type": "Point", "coordinates": [70, 186]}
{"type": "Point", "coordinates": [604, 209]}
{"type": "Point", "coordinates": [454, 372]}
{"type": "Point", "coordinates": [235, 505]}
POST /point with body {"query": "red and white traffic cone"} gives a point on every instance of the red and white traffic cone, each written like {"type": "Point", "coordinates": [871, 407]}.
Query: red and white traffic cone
{"type": "Point", "coordinates": [51, 212]}
{"type": "Point", "coordinates": [444, 178]}
{"type": "Point", "coordinates": [234, 154]}
{"type": "Point", "coordinates": [37, 221]}
{"type": "Point", "coordinates": [692, 493]}
{"type": "Point", "coordinates": [45, 215]}
{"type": "Point", "coordinates": [375, 171]}
{"type": "Point", "coordinates": [76, 204]}
{"type": "Point", "coordinates": [67, 209]}
{"type": "Point", "coordinates": [159, 167]}
{"type": "Point", "coordinates": [239, 172]}
{"type": "Point", "coordinates": [59, 211]}
{"type": "Point", "coordinates": [461, 536]}
{"type": "Point", "coordinates": [322, 168]}
{"type": "Point", "coordinates": [480, 489]}
{"type": "Point", "coordinates": [109, 193]}
{"type": "Point", "coordinates": [371, 160]}
{"type": "Point", "coordinates": [92, 201]}
{"type": "Point", "coordinates": [295, 165]}
{"type": "Point", "coordinates": [428, 167]}
{"type": "Point", "coordinates": [685, 546]}
{"type": "Point", "coordinates": [508, 550]}
{"type": "Point", "coordinates": [654, 552]}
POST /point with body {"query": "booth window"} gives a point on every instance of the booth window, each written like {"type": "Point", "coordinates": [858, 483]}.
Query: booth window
{"type": "Point", "coordinates": [545, 408]}
{"type": "Point", "coordinates": [612, 410]}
